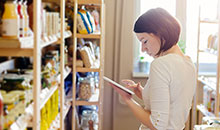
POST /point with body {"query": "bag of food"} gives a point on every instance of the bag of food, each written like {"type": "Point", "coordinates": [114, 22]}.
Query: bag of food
{"type": "Point", "coordinates": [83, 24]}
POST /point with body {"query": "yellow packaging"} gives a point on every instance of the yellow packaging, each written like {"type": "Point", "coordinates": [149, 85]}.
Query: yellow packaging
{"type": "Point", "coordinates": [44, 124]}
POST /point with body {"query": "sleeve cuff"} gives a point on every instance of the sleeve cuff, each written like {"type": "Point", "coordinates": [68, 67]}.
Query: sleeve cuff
{"type": "Point", "coordinates": [153, 123]}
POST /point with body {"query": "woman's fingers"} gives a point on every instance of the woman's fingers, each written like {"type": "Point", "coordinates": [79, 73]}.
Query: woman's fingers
{"type": "Point", "coordinates": [128, 82]}
{"type": "Point", "coordinates": [131, 86]}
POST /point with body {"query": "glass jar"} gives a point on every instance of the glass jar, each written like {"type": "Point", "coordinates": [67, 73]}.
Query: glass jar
{"type": "Point", "coordinates": [13, 82]}
{"type": "Point", "coordinates": [85, 90]}
{"type": "Point", "coordinates": [86, 117]}
{"type": "Point", "coordinates": [89, 116]}
{"type": "Point", "coordinates": [92, 83]}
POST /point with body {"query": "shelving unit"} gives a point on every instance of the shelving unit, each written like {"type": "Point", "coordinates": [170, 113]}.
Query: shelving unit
{"type": "Point", "coordinates": [87, 70]}
{"type": "Point", "coordinates": [31, 47]}
{"type": "Point", "coordinates": [211, 82]}
{"type": "Point", "coordinates": [23, 47]}
{"type": "Point", "coordinates": [97, 98]}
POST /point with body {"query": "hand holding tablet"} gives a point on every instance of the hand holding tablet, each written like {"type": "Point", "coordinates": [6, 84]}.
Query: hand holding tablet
{"type": "Point", "coordinates": [118, 85]}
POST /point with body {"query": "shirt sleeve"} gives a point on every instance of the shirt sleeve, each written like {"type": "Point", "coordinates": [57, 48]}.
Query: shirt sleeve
{"type": "Point", "coordinates": [159, 80]}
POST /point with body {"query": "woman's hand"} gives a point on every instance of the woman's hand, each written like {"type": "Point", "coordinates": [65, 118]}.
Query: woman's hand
{"type": "Point", "coordinates": [126, 96]}
{"type": "Point", "coordinates": [137, 88]}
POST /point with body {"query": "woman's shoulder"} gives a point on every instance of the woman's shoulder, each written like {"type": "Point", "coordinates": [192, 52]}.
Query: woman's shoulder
{"type": "Point", "coordinates": [172, 57]}
{"type": "Point", "coordinates": [169, 61]}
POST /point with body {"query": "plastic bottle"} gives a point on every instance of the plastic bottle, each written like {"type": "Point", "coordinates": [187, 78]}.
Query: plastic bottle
{"type": "Point", "coordinates": [10, 21]}
{"type": "Point", "coordinates": [26, 18]}
{"type": "Point", "coordinates": [1, 112]}
{"type": "Point", "coordinates": [21, 16]}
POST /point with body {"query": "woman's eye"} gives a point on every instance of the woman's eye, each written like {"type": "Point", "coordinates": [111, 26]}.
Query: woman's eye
{"type": "Point", "coordinates": [145, 41]}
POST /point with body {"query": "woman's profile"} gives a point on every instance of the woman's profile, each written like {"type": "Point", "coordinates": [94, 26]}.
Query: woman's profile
{"type": "Point", "coordinates": [169, 91]}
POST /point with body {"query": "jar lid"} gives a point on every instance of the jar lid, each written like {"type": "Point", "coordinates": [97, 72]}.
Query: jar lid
{"type": "Point", "coordinates": [84, 80]}
{"type": "Point", "coordinates": [13, 77]}
{"type": "Point", "coordinates": [87, 113]}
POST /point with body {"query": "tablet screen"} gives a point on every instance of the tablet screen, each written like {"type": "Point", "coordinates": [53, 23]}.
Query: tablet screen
{"type": "Point", "coordinates": [118, 85]}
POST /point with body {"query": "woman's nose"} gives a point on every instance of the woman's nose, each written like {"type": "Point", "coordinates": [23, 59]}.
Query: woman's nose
{"type": "Point", "coordinates": [143, 48]}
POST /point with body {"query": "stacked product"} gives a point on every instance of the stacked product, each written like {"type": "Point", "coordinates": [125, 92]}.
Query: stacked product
{"type": "Point", "coordinates": [50, 111]}
{"type": "Point", "coordinates": [16, 91]}
{"type": "Point", "coordinates": [88, 55]}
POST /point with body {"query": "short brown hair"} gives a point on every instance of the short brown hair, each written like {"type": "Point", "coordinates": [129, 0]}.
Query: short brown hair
{"type": "Point", "coordinates": [159, 22]}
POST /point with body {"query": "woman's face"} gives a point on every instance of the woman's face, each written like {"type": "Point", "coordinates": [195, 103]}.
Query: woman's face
{"type": "Point", "coordinates": [150, 43]}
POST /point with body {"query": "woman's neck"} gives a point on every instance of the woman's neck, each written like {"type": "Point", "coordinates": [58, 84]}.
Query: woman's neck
{"type": "Point", "coordinates": [175, 49]}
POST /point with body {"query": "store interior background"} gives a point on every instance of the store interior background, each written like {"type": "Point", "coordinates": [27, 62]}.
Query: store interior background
{"type": "Point", "coordinates": [121, 45]}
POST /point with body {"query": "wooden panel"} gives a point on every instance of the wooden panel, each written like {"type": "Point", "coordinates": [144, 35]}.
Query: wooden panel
{"type": "Point", "coordinates": [90, 1]}
{"type": "Point", "coordinates": [26, 42]}
{"type": "Point", "coordinates": [87, 70]}
{"type": "Point", "coordinates": [16, 52]}
{"type": "Point", "coordinates": [91, 36]}
{"type": "Point", "coordinates": [85, 103]}
{"type": "Point", "coordinates": [209, 21]}
{"type": "Point", "coordinates": [74, 63]}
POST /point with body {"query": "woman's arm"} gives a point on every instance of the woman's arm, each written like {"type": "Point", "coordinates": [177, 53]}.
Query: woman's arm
{"type": "Point", "coordinates": [139, 112]}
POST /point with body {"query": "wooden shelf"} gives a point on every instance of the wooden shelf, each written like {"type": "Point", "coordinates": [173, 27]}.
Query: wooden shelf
{"type": "Point", "coordinates": [46, 94]}
{"type": "Point", "coordinates": [25, 42]}
{"type": "Point", "coordinates": [67, 71]}
{"type": "Point", "coordinates": [90, 36]}
{"type": "Point", "coordinates": [55, 125]}
{"type": "Point", "coordinates": [94, 100]}
{"type": "Point", "coordinates": [209, 21]}
{"type": "Point", "coordinates": [24, 46]}
{"type": "Point", "coordinates": [67, 106]}
{"type": "Point", "coordinates": [87, 69]}
{"type": "Point", "coordinates": [204, 111]}
{"type": "Point", "coordinates": [208, 83]}
{"type": "Point", "coordinates": [53, 40]}
{"type": "Point", "coordinates": [67, 34]}
{"type": "Point", "coordinates": [16, 52]}
{"type": "Point", "coordinates": [84, 2]}
{"type": "Point", "coordinates": [212, 52]}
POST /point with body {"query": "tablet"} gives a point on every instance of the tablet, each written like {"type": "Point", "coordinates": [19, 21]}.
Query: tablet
{"type": "Point", "coordinates": [118, 85]}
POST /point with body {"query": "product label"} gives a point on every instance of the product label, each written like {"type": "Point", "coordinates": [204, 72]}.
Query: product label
{"type": "Point", "coordinates": [10, 27]}
{"type": "Point", "coordinates": [26, 26]}
{"type": "Point", "coordinates": [21, 29]}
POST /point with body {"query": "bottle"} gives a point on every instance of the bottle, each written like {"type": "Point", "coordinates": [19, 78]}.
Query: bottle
{"type": "Point", "coordinates": [10, 21]}
{"type": "Point", "coordinates": [26, 18]}
{"type": "Point", "coordinates": [21, 16]}
{"type": "Point", "coordinates": [66, 55]}
{"type": "Point", "coordinates": [1, 112]}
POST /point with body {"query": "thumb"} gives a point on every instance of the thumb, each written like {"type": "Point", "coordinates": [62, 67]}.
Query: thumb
{"type": "Point", "coordinates": [139, 86]}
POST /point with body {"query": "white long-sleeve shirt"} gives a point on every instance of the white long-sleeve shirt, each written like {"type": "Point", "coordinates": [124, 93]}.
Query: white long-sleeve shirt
{"type": "Point", "coordinates": [169, 92]}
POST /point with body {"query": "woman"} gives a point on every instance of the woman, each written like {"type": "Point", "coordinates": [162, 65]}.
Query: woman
{"type": "Point", "coordinates": [169, 91]}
